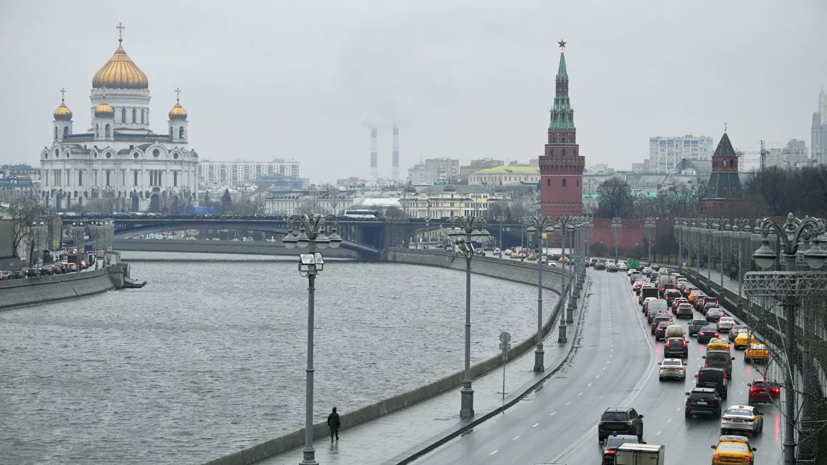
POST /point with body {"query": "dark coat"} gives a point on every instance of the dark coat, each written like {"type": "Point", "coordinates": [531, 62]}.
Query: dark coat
{"type": "Point", "coordinates": [333, 420]}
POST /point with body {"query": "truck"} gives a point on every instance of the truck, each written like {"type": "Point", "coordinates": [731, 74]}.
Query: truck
{"type": "Point", "coordinates": [665, 278]}
{"type": "Point", "coordinates": [640, 454]}
{"type": "Point", "coordinates": [647, 292]}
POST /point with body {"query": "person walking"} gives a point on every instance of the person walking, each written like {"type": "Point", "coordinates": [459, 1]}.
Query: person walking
{"type": "Point", "coordinates": [334, 424]}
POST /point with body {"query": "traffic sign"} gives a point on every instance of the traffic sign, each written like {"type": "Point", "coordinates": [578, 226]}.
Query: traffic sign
{"type": "Point", "coordinates": [109, 248]}
{"type": "Point", "coordinates": [55, 244]}
{"type": "Point", "coordinates": [505, 337]}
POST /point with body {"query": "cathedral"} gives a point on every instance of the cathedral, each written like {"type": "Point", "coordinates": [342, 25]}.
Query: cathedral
{"type": "Point", "coordinates": [118, 163]}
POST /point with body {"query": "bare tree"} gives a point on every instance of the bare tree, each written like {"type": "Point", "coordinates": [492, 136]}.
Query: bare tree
{"type": "Point", "coordinates": [24, 215]}
{"type": "Point", "coordinates": [616, 199]}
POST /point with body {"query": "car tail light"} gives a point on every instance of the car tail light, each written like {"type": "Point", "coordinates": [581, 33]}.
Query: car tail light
{"type": "Point", "coordinates": [716, 334]}
{"type": "Point", "coordinates": [749, 420]}
{"type": "Point", "coordinates": [680, 368]}
{"type": "Point", "coordinates": [706, 365]}
{"type": "Point", "coordinates": [610, 452]}
{"type": "Point", "coordinates": [727, 418]}
{"type": "Point", "coordinates": [746, 458]}
{"type": "Point", "coordinates": [661, 368]}
{"type": "Point", "coordinates": [753, 389]}
{"type": "Point", "coordinates": [684, 343]}
{"type": "Point", "coordinates": [716, 457]}
{"type": "Point", "coordinates": [776, 390]}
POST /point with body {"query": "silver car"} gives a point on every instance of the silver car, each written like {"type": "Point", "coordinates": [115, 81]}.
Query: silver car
{"type": "Point", "coordinates": [672, 368]}
{"type": "Point", "coordinates": [742, 418]}
{"type": "Point", "coordinates": [726, 323]}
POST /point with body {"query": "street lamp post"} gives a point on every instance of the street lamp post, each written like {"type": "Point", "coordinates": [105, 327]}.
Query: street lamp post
{"type": "Point", "coordinates": [78, 233]}
{"type": "Point", "coordinates": [311, 237]}
{"type": "Point", "coordinates": [540, 226]}
{"type": "Point", "coordinates": [789, 287]}
{"type": "Point", "coordinates": [563, 223]}
{"type": "Point", "coordinates": [469, 228]}
{"type": "Point", "coordinates": [648, 229]}
{"type": "Point", "coordinates": [617, 229]}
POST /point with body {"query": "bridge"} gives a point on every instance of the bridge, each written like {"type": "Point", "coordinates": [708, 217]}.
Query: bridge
{"type": "Point", "coordinates": [368, 238]}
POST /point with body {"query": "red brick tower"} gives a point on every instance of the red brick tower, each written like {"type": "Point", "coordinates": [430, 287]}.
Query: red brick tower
{"type": "Point", "coordinates": [561, 167]}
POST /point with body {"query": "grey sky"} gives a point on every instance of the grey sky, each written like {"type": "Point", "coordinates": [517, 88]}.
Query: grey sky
{"type": "Point", "coordinates": [463, 79]}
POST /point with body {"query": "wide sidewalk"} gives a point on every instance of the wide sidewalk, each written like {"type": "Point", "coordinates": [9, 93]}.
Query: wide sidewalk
{"type": "Point", "coordinates": [392, 438]}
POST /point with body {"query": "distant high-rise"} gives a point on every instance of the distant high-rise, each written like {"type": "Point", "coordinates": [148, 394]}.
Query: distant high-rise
{"type": "Point", "coordinates": [374, 163]}
{"type": "Point", "coordinates": [667, 152]}
{"type": "Point", "coordinates": [818, 142]}
{"type": "Point", "coordinates": [395, 165]}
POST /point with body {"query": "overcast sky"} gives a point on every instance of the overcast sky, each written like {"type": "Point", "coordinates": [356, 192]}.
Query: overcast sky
{"type": "Point", "coordinates": [462, 79]}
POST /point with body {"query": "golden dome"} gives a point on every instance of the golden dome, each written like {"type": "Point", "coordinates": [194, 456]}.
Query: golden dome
{"type": "Point", "coordinates": [103, 110]}
{"type": "Point", "coordinates": [120, 72]}
{"type": "Point", "coordinates": [177, 112]}
{"type": "Point", "coordinates": [63, 113]}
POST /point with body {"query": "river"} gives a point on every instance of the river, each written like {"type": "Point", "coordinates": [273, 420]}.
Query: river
{"type": "Point", "coordinates": [209, 357]}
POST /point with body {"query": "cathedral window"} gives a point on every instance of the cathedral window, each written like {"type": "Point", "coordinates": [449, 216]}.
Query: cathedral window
{"type": "Point", "coordinates": [135, 180]}
{"type": "Point", "coordinates": [724, 163]}
{"type": "Point", "coordinates": [97, 131]}
{"type": "Point", "coordinates": [156, 152]}
{"type": "Point", "coordinates": [175, 177]}
{"type": "Point", "coordinates": [578, 183]}
{"type": "Point", "coordinates": [564, 150]}
{"type": "Point", "coordinates": [80, 177]}
{"type": "Point", "coordinates": [142, 116]}
{"type": "Point", "coordinates": [564, 182]}
{"type": "Point", "coordinates": [181, 132]}
{"type": "Point", "coordinates": [57, 153]}
{"type": "Point", "coordinates": [107, 131]}
{"type": "Point", "coordinates": [107, 177]}
{"type": "Point", "coordinates": [55, 132]}
{"type": "Point", "coordinates": [134, 115]}
{"type": "Point", "coordinates": [123, 115]}
{"type": "Point", "coordinates": [65, 131]}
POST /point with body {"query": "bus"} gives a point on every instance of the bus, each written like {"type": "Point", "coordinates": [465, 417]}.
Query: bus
{"type": "Point", "coordinates": [362, 214]}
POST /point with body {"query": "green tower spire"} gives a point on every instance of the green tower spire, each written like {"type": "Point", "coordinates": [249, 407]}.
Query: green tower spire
{"type": "Point", "coordinates": [562, 115]}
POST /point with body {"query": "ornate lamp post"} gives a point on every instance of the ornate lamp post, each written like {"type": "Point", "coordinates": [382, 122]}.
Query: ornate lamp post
{"type": "Point", "coordinates": [563, 223]}
{"type": "Point", "coordinates": [789, 287]}
{"type": "Point", "coordinates": [311, 237]}
{"type": "Point", "coordinates": [78, 233]}
{"type": "Point", "coordinates": [539, 226]}
{"type": "Point", "coordinates": [617, 230]}
{"type": "Point", "coordinates": [649, 226]}
{"type": "Point", "coordinates": [469, 228]}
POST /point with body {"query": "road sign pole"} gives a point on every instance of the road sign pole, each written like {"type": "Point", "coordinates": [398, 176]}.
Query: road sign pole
{"type": "Point", "coordinates": [505, 338]}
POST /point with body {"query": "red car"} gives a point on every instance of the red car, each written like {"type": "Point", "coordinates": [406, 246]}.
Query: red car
{"type": "Point", "coordinates": [763, 391]}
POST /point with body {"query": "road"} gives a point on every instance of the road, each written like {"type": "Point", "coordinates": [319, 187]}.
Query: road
{"type": "Point", "coordinates": [614, 366]}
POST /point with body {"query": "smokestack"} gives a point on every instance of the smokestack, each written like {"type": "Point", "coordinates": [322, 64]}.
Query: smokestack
{"type": "Point", "coordinates": [395, 170]}
{"type": "Point", "coordinates": [374, 169]}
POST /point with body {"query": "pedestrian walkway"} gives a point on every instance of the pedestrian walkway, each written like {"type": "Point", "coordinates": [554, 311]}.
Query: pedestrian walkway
{"type": "Point", "coordinates": [392, 438]}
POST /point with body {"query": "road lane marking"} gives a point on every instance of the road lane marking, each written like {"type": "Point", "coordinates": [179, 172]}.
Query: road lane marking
{"type": "Point", "coordinates": [669, 420]}
{"type": "Point", "coordinates": [535, 425]}
{"type": "Point", "coordinates": [552, 414]}
{"type": "Point", "coordinates": [492, 453]}
{"type": "Point", "coordinates": [515, 438]}
{"type": "Point", "coordinates": [588, 384]}
{"type": "Point", "coordinates": [568, 403]}
{"type": "Point", "coordinates": [598, 376]}
{"type": "Point", "coordinates": [658, 433]}
{"type": "Point", "coordinates": [581, 393]}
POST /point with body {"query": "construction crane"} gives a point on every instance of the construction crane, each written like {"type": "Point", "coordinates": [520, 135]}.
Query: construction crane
{"type": "Point", "coordinates": [762, 153]}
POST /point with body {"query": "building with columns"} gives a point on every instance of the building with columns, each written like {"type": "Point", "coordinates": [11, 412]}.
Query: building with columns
{"type": "Point", "coordinates": [119, 163]}
{"type": "Point", "coordinates": [561, 167]}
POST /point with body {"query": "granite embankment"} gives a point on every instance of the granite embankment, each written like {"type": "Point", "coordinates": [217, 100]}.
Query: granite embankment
{"type": "Point", "coordinates": [43, 289]}
{"type": "Point", "coordinates": [509, 270]}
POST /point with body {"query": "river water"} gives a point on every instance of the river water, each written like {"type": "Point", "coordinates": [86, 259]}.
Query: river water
{"type": "Point", "coordinates": [209, 357]}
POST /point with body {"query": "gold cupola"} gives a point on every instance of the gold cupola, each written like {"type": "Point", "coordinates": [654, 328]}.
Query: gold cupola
{"type": "Point", "coordinates": [120, 72]}
{"type": "Point", "coordinates": [63, 113]}
{"type": "Point", "coordinates": [178, 113]}
{"type": "Point", "coordinates": [103, 110]}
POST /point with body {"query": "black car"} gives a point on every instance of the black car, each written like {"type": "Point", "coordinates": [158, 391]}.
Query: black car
{"type": "Point", "coordinates": [702, 401]}
{"type": "Point", "coordinates": [709, 304]}
{"type": "Point", "coordinates": [695, 326]}
{"type": "Point", "coordinates": [675, 347]}
{"type": "Point", "coordinates": [658, 319]}
{"type": "Point", "coordinates": [714, 314]}
{"type": "Point", "coordinates": [30, 272]}
{"type": "Point", "coordinates": [620, 421]}
{"type": "Point", "coordinates": [714, 378]}
{"type": "Point", "coordinates": [18, 275]}
{"type": "Point", "coordinates": [719, 359]}
{"type": "Point", "coordinates": [660, 330]}
{"type": "Point", "coordinates": [45, 271]}
{"type": "Point", "coordinates": [599, 266]}
{"type": "Point", "coordinates": [707, 332]}
{"type": "Point", "coordinates": [612, 443]}
{"type": "Point", "coordinates": [670, 296]}
{"type": "Point", "coordinates": [733, 332]}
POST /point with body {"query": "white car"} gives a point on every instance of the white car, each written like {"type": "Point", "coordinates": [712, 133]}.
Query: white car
{"type": "Point", "coordinates": [672, 368]}
{"type": "Point", "coordinates": [740, 418]}
{"type": "Point", "coordinates": [726, 323]}
{"type": "Point", "coordinates": [622, 266]}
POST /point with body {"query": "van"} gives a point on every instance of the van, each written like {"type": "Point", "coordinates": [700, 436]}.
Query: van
{"type": "Point", "coordinates": [715, 378]}
{"type": "Point", "coordinates": [674, 331]}
{"type": "Point", "coordinates": [719, 359]}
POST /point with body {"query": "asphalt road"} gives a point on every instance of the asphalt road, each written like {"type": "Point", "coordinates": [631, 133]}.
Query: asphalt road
{"type": "Point", "coordinates": [614, 366]}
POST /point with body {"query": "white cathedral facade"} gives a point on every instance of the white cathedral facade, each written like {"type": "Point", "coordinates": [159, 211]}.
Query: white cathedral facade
{"type": "Point", "coordinates": [118, 163]}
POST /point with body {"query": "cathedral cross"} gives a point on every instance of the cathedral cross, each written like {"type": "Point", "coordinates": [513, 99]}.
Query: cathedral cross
{"type": "Point", "coordinates": [62, 94]}
{"type": "Point", "coordinates": [120, 27]}
{"type": "Point", "coordinates": [177, 94]}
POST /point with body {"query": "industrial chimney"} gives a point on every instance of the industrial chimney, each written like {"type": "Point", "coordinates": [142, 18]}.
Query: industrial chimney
{"type": "Point", "coordinates": [395, 169]}
{"type": "Point", "coordinates": [374, 169]}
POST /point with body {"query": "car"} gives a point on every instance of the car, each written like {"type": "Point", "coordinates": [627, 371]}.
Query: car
{"type": "Point", "coordinates": [763, 391]}
{"type": "Point", "coordinates": [713, 377]}
{"type": "Point", "coordinates": [599, 266]}
{"type": "Point", "coordinates": [634, 275]}
{"type": "Point", "coordinates": [638, 286]}
{"type": "Point", "coordinates": [706, 303]}
{"type": "Point", "coordinates": [622, 266]}
{"type": "Point", "coordinates": [694, 294]}
{"type": "Point", "coordinates": [714, 315]}
{"type": "Point", "coordinates": [707, 333]}
{"type": "Point", "coordinates": [719, 359]}
{"type": "Point", "coordinates": [5, 274]}
{"type": "Point", "coordinates": [480, 251]}
{"type": "Point", "coordinates": [675, 347]}
{"type": "Point", "coordinates": [702, 401]}
{"type": "Point", "coordinates": [742, 418]}
{"type": "Point", "coordinates": [757, 353]}
{"type": "Point", "coordinates": [45, 271]}
{"type": "Point", "coordinates": [18, 274]}
{"type": "Point", "coordinates": [621, 421]}
{"type": "Point", "coordinates": [725, 323]}
{"type": "Point", "coordinates": [611, 268]}
{"type": "Point", "coordinates": [677, 301]}
{"type": "Point", "coordinates": [733, 449]}
{"type": "Point", "coordinates": [665, 287]}
{"type": "Point", "coordinates": [594, 261]}
{"type": "Point", "coordinates": [670, 294]}
{"type": "Point", "coordinates": [660, 330]}
{"type": "Point", "coordinates": [672, 368]}
{"type": "Point", "coordinates": [684, 310]}
{"type": "Point", "coordinates": [717, 344]}
{"type": "Point", "coordinates": [659, 318]}
{"type": "Point", "coordinates": [515, 255]}
{"type": "Point", "coordinates": [496, 251]}
{"type": "Point", "coordinates": [735, 330]}
{"type": "Point", "coordinates": [56, 269]}
{"type": "Point", "coordinates": [73, 267]}
{"type": "Point", "coordinates": [612, 443]}
{"type": "Point", "coordinates": [695, 326]}
{"type": "Point", "coordinates": [646, 301]}
{"type": "Point", "coordinates": [687, 289]}
{"type": "Point", "coordinates": [743, 340]}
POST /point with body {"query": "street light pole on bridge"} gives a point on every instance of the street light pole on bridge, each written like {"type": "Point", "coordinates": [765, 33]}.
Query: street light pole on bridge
{"type": "Point", "coordinates": [540, 226]}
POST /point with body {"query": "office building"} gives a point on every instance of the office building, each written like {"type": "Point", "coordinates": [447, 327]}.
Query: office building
{"type": "Point", "coordinates": [666, 152]}
{"type": "Point", "coordinates": [239, 172]}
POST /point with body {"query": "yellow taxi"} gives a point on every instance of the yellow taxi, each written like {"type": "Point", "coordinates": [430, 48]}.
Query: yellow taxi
{"type": "Point", "coordinates": [515, 255]}
{"type": "Point", "coordinates": [693, 295]}
{"type": "Point", "coordinates": [717, 344]}
{"type": "Point", "coordinates": [744, 340]}
{"type": "Point", "coordinates": [733, 449]}
{"type": "Point", "coordinates": [757, 353]}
